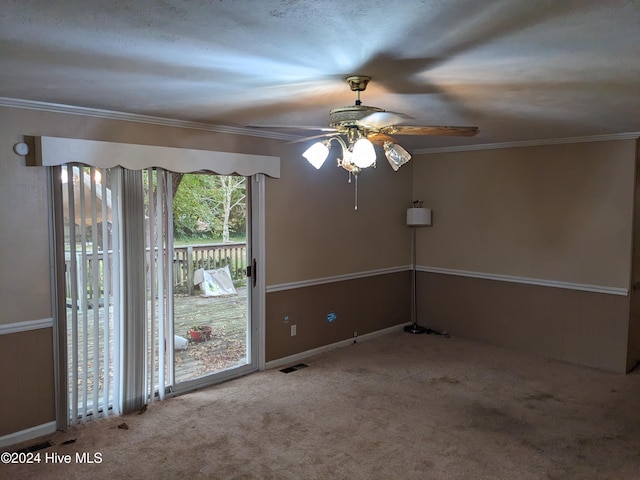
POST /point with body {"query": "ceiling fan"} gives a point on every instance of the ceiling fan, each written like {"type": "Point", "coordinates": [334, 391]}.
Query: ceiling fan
{"type": "Point", "coordinates": [358, 127]}
{"type": "Point", "coordinates": [362, 126]}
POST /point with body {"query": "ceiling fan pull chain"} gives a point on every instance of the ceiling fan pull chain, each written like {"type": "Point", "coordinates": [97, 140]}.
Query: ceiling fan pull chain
{"type": "Point", "coordinates": [356, 178]}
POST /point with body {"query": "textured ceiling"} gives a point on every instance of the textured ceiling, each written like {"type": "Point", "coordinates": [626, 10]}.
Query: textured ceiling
{"type": "Point", "coordinates": [518, 69]}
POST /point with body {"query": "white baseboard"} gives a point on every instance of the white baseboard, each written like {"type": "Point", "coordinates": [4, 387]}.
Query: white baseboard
{"type": "Point", "coordinates": [280, 362]}
{"type": "Point", "coordinates": [28, 434]}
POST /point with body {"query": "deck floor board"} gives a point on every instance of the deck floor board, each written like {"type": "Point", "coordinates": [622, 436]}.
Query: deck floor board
{"type": "Point", "coordinates": [227, 317]}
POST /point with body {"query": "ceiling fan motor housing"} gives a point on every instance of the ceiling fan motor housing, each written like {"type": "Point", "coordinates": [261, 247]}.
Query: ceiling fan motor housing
{"type": "Point", "coordinates": [348, 117]}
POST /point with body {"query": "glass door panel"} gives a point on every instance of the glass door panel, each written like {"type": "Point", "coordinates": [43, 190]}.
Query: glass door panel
{"type": "Point", "coordinates": [211, 320]}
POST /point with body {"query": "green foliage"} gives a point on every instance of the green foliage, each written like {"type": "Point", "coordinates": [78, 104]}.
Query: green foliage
{"type": "Point", "coordinates": [200, 203]}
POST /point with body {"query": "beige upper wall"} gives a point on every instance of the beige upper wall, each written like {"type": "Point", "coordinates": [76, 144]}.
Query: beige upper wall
{"type": "Point", "coordinates": [25, 291]}
{"type": "Point", "coordinates": [556, 212]}
{"type": "Point", "coordinates": [313, 230]}
{"type": "Point", "coordinates": [560, 212]}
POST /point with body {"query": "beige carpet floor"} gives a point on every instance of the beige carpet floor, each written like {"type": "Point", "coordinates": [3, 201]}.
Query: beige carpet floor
{"type": "Point", "coordinates": [399, 406]}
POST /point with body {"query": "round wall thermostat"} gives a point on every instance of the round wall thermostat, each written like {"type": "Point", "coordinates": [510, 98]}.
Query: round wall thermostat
{"type": "Point", "coordinates": [21, 148]}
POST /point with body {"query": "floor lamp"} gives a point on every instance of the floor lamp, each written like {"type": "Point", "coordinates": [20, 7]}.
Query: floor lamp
{"type": "Point", "coordinates": [417, 216]}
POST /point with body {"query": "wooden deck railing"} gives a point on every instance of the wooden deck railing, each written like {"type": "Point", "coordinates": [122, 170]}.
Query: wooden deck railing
{"type": "Point", "coordinates": [208, 257]}
{"type": "Point", "coordinates": [186, 260]}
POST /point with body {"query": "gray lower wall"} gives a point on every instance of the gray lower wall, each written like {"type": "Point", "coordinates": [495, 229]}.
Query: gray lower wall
{"type": "Point", "coordinates": [361, 305]}
{"type": "Point", "coordinates": [26, 376]}
{"type": "Point", "coordinates": [576, 326]}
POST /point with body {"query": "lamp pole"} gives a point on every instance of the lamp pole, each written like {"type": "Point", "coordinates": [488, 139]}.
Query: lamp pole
{"type": "Point", "coordinates": [416, 217]}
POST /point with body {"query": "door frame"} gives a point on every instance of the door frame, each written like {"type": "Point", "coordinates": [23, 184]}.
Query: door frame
{"type": "Point", "coordinates": [255, 295]}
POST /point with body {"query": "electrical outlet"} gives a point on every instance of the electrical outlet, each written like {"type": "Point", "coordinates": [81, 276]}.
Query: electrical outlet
{"type": "Point", "coordinates": [355, 334]}
{"type": "Point", "coordinates": [293, 330]}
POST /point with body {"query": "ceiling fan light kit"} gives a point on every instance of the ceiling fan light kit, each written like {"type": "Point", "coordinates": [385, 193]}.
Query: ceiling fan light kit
{"type": "Point", "coordinates": [358, 127]}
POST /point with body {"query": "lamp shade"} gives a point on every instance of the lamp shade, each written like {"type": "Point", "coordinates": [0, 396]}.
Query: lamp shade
{"type": "Point", "coordinates": [396, 155]}
{"type": "Point", "coordinates": [363, 154]}
{"type": "Point", "coordinates": [316, 154]}
{"type": "Point", "coordinates": [418, 217]}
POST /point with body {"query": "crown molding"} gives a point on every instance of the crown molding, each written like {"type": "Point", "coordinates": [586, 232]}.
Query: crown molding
{"type": "Point", "coordinates": [530, 143]}
{"type": "Point", "coordinates": [134, 117]}
{"type": "Point", "coordinates": [172, 122]}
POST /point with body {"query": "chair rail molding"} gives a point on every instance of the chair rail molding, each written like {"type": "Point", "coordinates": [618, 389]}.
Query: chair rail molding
{"type": "Point", "coordinates": [19, 327]}
{"type": "Point", "coordinates": [528, 281]}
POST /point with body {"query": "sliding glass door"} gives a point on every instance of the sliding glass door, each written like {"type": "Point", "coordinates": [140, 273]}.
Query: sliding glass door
{"type": "Point", "coordinates": [155, 281]}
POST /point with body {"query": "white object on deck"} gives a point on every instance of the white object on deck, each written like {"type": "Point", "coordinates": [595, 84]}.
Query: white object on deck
{"type": "Point", "coordinates": [180, 343]}
{"type": "Point", "coordinates": [214, 283]}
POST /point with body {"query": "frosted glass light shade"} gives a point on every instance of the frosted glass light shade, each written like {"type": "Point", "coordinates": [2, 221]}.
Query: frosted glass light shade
{"type": "Point", "coordinates": [418, 217]}
{"type": "Point", "coordinates": [396, 155]}
{"type": "Point", "coordinates": [316, 154]}
{"type": "Point", "coordinates": [363, 155]}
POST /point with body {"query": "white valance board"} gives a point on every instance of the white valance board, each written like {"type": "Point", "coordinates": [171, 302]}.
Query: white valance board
{"type": "Point", "coordinates": [53, 151]}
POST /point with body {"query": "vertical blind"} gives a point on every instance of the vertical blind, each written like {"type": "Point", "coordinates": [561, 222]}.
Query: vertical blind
{"type": "Point", "coordinates": [158, 263]}
{"type": "Point", "coordinates": [92, 267]}
{"type": "Point", "coordinates": [117, 235]}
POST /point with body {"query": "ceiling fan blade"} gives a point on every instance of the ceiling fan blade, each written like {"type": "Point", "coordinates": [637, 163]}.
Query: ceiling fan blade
{"type": "Point", "coordinates": [433, 130]}
{"type": "Point", "coordinates": [293, 127]}
{"type": "Point", "coordinates": [383, 119]}
{"type": "Point", "coordinates": [324, 135]}
{"type": "Point", "coordinates": [380, 138]}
